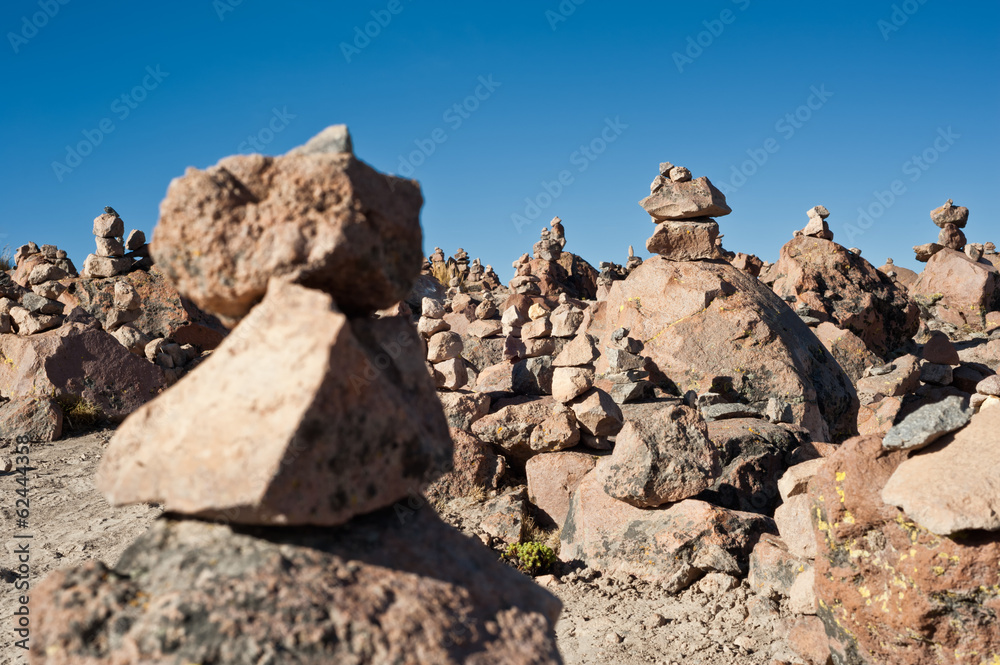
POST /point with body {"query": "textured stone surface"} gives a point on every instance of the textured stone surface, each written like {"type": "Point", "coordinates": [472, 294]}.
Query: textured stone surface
{"type": "Point", "coordinates": [685, 241]}
{"type": "Point", "coordinates": [960, 291]}
{"type": "Point", "coordinates": [76, 362]}
{"type": "Point", "coordinates": [674, 545]}
{"type": "Point", "coordinates": [684, 200]}
{"type": "Point", "coordinates": [164, 313]}
{"type": "Point", "coordinates": [327, 220]}
{"type": "Point", "coordinates": [38, 419]}
{"type": "Point", "coordinates": [383, 590]}
{"type": "Point", "coordinates": [927, 424]}
{"type": "Point", "coordinates": [301, 416]}
{"type": "Point", "coordinates": [662, 459]}
{"type": "Point", "coordinates": [552, 479]}
{"type": "Point", "coordinates": [889, 590]}
{"type": "Point", "coordinates": [848, 291]}
{"type": "Point", "coordinates": [707, 322]}
{"type": "Point", "coordinates": [754, 454]}
{"type": "Point", "coordinates": [475, 469]}
{"type": "Point", "coordinates": [953, 485]}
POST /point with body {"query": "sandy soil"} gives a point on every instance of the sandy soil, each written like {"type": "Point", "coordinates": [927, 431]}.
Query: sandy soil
{"type": "Point", "coordinates": [604, 621]}
{"type": "Point", "coordinates": [69, 521]}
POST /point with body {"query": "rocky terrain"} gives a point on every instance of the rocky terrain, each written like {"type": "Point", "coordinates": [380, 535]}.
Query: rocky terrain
{"type": "Point", "coordinates": [321, 446]}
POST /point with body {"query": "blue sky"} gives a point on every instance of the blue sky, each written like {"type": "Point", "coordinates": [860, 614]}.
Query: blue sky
{"type": "Point", "coordinates": [562, 109]}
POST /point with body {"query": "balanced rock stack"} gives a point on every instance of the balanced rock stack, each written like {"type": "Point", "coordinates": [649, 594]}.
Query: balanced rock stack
{"type": "Point", "coordinates": [444, 347]}
{"type": "Point", "coordinates": [28, 296]}
{"type": "Point", "coordinates": [818, 226]}
{"type": "Point", "coordinates": [115, 255]}
{"type": "Point", "coordinates": [683, 211]}
{"type": "Point", "coordinates": [550, 271]}
{"type": "Point", "coordinates": [311, 413]}
{"type": "Point", "coordinates": [960, 286]}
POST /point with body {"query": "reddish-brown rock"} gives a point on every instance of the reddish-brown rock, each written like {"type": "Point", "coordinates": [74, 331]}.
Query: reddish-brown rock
{"type": "Point", "coordinates": [850, 350]}
{"type": "Point", "coordinates": [674, 545]}
{"type": "Point", "coordinates": [704, 323]}
{"type": "Point", "coordinates": [165, 313]}
{"type": "Point", "coordinates": [393, 587]}
{"type": "Point", "coordinates": [685, 241]}
{"type": "Point", "coordinates": [889, 590]}
{"type": "Point", "coordinates": [78, 361]}
{"type": "Point", "coordinates": [512, 422]}
{"type": "Point", "coordinates": [684, 200]}
{"type": "Point", "coordinates": [754, 454]}
{"type": "Point", "coordinates": [952, 485]}
{"type": "Point", "coordinates": [38, 419]}
{"type": "Point", "coordinates": [849, 291]}
{"type": "Point", "coordinates": [662, 459]}
{"type": "Point", "coordinates": [552, 479]}
{"type": "Point", "coordinates": [301, 416]}
{"type": "Point", "coordinates": [959, 290]}
{"type": "Point", "coordinates": [327, 220]}
{"type": "Point", "coordinates": [475, 469]}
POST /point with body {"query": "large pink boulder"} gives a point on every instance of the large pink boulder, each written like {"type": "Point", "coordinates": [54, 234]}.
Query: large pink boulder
{"type": "Point", "coordinates": [708, 322]}
{"type": "Point", "coordinates": [77, 362]}
{"type": "Point", "coordinates": [673, 545]}
{"type": "Point", "coordinates": [843, 288]}
{"type": "Point", "coordinates": [959, 290]}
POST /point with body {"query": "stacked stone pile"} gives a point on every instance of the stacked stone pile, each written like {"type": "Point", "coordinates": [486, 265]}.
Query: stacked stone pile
{"type": "Point", "coordinates": [859, 313]}
{"type": "Point", "coordinates": [550, 271]}
{"type": "Point", "coordinates": [444, 347]}
{"type": "Point", "coordinates": [960, 286]}
{"type": "Point", "coordinates": [683, 210]}
{"type": "Point", "coordinates": [309, 414]}
{"type": "Point", "coordinates": [116, 253]}
{"type": "Point", "coordinates": [459, 273]}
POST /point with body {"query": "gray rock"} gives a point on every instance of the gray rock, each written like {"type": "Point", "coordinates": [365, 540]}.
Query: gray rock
{"type": "Point", "coordinates": [927, 424]}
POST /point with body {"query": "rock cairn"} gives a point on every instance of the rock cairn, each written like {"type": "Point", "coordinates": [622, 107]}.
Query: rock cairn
{"type": "Point", "coordinates": [459, 273]}
{"type": "Point", "coordinates": [951, 219]}
{"type": "Point", "coordinates": [116, 253]}
{"type": "Point", "coordinates": [305, 416]}
{"type": "Point", "coordinates": [683, 210]}
{"type": "Point", "coordinates": [29, 294]}
{"type": "Point", "coordinates": [550, 271]}
{"type": "Point", "coordinates": [818, 226]}
{"type": "Point", "coordinates": [444, 347]}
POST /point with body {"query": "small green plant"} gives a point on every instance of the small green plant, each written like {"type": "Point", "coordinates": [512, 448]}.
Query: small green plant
{"type": "Point", "coordinates": [531, 558]}
{"type": "Point", "coordinates": [79, 413]}
{"type": "Point", "coordinates": [6, 259]}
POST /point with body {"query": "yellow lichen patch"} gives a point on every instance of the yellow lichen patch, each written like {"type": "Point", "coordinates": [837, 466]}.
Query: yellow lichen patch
{"type": "Point", "coordinates": [848, 517]}
{"type": "Point", "coordinates": [865, 593]}
{"type": "Point", "coordinates": [840, 476]}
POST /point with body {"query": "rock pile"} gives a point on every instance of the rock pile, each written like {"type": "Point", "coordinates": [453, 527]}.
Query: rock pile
{"type": "Point", "coordinates": [458, 273]}
{"type": "Point", "coordinates": [305, 416]}
{"type": "Point", "coordinates": [116, 253]}
{"type": "Point", "coordinates": [859, 313]}
{"type": "Point", "coordinates": [959, 286]}
{"type": "Point", "coordinates": [683, 211]}
{"type": "Point", "coordinates": [550, 271]}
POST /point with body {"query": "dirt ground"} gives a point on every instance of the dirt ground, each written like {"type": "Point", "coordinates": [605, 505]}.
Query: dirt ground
{"type": "Point", "coordinates": [604, 621]}
{"type": "Point", "coordinates": [69, 521]}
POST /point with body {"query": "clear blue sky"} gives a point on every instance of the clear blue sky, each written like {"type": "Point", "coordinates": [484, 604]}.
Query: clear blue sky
{"type": "Point", "coordinates": [226, 70]}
